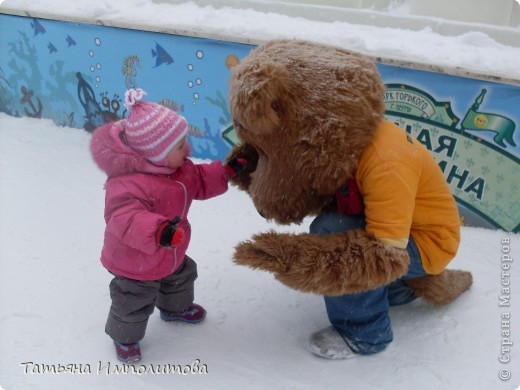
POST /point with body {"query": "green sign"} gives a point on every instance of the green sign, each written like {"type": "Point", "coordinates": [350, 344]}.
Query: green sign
{"type": "Point", "coordinates": [482, 175]}
{"type": "Point", "coordinates": [481, 121]}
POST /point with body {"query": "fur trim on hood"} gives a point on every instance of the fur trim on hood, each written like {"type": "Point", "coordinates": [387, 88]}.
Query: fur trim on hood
{"type": "Point", "coordinates": [115, 158]}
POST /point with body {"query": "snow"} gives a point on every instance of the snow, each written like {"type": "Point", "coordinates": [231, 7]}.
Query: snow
{"type": "Point", "coordinates": [54, 295]}
{"type": "Point", "coordinates": [474, 50]}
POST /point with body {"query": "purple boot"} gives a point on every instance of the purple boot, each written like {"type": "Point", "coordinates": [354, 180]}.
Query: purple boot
{"type": "Point", "coordinates": [193, 314]}
{"type": "Point", "coordinates": [128, 353]}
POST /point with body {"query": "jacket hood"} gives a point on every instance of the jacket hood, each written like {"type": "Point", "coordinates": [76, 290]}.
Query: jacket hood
{"type": "Point", "coordinates": [113, 156]}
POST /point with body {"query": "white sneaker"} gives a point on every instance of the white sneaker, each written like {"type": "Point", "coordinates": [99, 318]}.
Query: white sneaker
{"type": "Point", "coordinates": [328, 343]}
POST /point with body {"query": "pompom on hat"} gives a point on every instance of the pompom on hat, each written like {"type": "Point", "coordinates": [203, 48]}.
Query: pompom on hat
{"type": "Point", "coordinates": [152, 130]}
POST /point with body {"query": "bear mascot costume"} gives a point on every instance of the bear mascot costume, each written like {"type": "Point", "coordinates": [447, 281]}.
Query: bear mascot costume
{"type": "Point", "coordinates": [310, 122]}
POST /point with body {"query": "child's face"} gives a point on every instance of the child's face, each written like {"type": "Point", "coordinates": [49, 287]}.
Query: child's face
{"type": "Point", "coordinates": [178, 154]}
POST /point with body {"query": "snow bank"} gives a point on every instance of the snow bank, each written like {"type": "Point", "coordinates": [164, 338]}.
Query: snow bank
{"type": "Point", "coordinates": [427, 42]}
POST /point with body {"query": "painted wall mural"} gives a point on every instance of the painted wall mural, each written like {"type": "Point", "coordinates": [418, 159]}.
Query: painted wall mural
{"type": "Point", "coordinates": [76, 74]}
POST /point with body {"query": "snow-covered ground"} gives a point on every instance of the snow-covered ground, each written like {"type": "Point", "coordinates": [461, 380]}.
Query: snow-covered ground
{"type": "Point", "coordinates": [54, 296]}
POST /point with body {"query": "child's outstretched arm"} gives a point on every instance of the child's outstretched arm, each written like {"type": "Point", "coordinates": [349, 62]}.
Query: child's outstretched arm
{"type": "Point", "coordinates": [212, 179]}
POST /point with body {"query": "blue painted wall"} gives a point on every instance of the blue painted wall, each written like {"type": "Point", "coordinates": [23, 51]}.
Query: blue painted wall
{"type": "Point", "coordinates": [76, 74]}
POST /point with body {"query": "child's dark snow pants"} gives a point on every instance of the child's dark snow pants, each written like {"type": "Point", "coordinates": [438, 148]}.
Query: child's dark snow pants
{"type": "Point", "coordinates": [133, 301]}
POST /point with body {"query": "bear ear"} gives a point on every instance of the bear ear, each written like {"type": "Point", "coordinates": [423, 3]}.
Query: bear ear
{"type": "Point", "coordinates": [256, 95]}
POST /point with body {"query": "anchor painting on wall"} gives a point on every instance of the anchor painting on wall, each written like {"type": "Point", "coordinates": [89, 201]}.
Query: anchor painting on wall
{"type": "Point", "coordinates": [76, 75]}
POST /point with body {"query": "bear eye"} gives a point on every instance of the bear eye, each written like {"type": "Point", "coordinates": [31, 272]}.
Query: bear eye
{"type": "Point", "coordinates": [241, 127]}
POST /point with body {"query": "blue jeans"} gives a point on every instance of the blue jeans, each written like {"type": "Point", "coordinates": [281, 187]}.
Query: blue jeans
{"type": "Point", "coordinates": [362, 318]}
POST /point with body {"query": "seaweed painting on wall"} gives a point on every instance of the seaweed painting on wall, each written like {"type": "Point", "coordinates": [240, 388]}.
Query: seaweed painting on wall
{"type": "Point", "coordinates": [75, 74]}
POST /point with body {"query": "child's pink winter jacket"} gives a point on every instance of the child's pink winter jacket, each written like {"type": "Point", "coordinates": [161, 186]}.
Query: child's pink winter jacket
{"type": "Point", "coordinates": [139, 197]}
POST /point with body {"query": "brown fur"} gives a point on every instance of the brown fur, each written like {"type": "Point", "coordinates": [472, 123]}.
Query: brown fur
{"type": "Point", "coordinates": [443, 288]}
{"type": "Point", "coordinates": [333, 265]}
{"type": "Point", "coordinates": [304, 113]}
{"type": "Point", "coordinates": [308, 111]}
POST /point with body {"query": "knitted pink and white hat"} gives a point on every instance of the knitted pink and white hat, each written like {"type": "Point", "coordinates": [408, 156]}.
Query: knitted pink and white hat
{"type": "Point", "coordinates": [152, 130]}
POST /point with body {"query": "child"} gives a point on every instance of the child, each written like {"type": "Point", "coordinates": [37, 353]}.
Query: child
{"type": "Point", "coordinates": [151, 184]}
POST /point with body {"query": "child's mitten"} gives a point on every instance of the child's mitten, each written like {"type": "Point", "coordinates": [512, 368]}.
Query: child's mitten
{"type": "Point", "coordinates": [169, 234]}
{"type": "Point", "coordinates": [235, 166]}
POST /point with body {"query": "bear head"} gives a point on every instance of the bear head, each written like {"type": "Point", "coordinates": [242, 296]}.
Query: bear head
{"type": "Point", "coordinates": [304, 112]}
